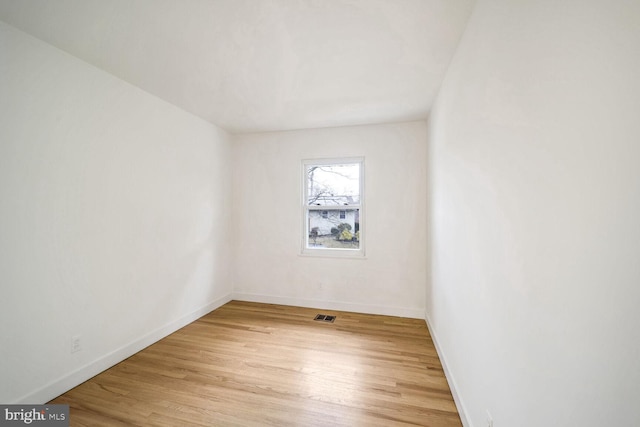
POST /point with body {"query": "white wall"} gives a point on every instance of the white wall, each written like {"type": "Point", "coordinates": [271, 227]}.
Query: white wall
{"type": "Point", "coordinates": [535, 187]}
{"type": "Point", "coordinates": [268, 216]}
{"type": "Point", "coordinates": [113, 218]}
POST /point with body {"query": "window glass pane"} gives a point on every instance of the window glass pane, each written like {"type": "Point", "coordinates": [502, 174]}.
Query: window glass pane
{"type": "Point", "coordinates": [333, 185]}
{"type": "Point", "coordinates": [332, 231]}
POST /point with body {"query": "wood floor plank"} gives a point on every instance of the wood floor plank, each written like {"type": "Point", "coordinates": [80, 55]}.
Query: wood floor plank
{"type": "Point", "coordinates": [250, 364]}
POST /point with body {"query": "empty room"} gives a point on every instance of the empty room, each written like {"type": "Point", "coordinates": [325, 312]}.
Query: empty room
{"type": "Point", "coordinates": [320, 212]}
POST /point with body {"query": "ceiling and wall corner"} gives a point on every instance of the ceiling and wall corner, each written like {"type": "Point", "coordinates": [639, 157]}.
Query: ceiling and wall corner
{"type": "Point", "coordinates": [250, 66]}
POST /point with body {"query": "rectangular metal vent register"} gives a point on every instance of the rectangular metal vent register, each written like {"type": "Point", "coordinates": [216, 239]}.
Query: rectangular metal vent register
{"type": "Point", "coordinates": [325, 318]}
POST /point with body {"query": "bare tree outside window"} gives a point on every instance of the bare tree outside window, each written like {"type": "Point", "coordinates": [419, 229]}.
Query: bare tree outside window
{"type": "Point", "coordinates": [333, 184]}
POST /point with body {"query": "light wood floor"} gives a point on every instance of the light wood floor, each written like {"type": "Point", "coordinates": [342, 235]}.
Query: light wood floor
{"type": "Point", "coordinates": [248, 364]}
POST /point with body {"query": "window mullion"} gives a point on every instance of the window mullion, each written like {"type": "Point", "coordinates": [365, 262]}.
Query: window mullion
{"type": "Point", "coordinates": [332, 208]}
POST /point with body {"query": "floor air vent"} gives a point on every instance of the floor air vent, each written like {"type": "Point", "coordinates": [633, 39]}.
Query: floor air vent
{"type": "Point", "coordinates": [325, 318]}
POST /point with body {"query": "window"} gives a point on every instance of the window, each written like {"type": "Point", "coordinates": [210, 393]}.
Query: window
{"type": "Point", "coordinates": [332, 207]}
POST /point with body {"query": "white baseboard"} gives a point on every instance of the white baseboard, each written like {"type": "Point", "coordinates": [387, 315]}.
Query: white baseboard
{"type": "Point", "coordinates": [450, 379]}
{"type": "Point", "coordinates": [331, 305]}
{"type": "Point", "coordinates": [80, 375]}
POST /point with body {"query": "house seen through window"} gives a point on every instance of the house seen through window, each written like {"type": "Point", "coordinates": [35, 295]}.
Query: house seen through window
{"type": "Point", "coordinates": [333, 206]}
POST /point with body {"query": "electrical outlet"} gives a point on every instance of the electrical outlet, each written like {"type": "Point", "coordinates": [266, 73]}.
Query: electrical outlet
{"type": "Point", "coordinates": [75, 344]}
{"type": "Point", "coordinates": [489, 419]}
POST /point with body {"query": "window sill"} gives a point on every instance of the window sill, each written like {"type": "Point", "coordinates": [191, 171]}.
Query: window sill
{"type": "Point", "coordinates": [333, 253]}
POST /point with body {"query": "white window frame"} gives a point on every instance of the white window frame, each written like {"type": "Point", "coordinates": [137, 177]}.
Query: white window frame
{"type": "Point", "coordinates": [332, 252]}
